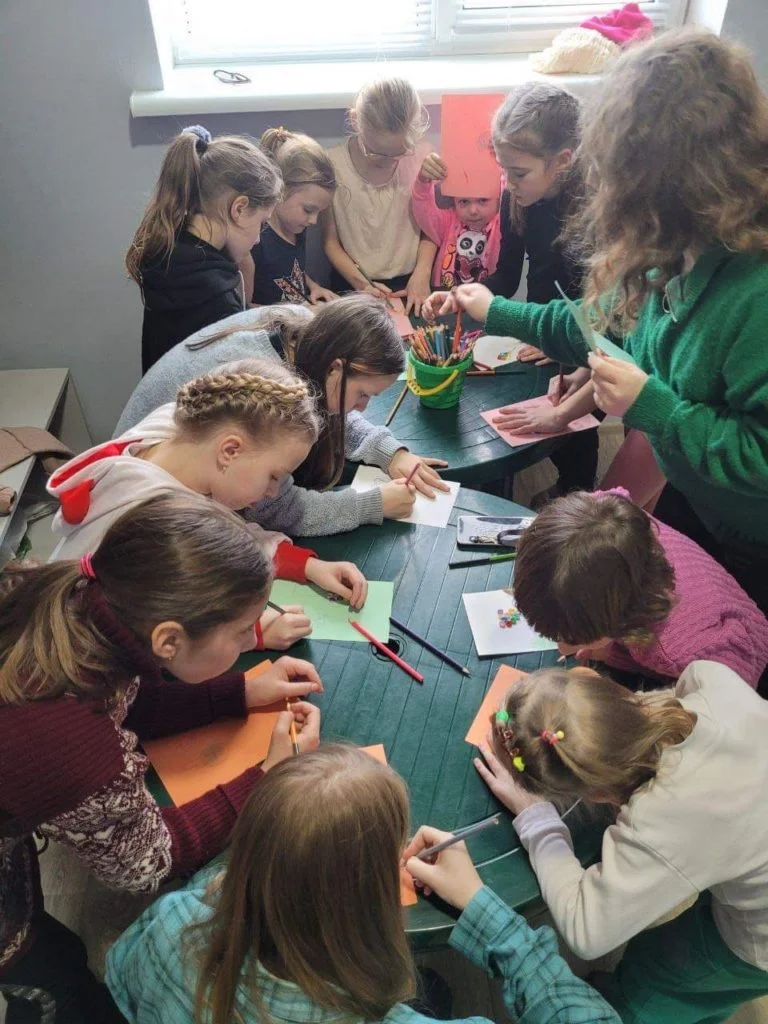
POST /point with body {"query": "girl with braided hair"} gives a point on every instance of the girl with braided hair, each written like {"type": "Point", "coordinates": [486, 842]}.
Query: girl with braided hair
{"type": "Point", "coordinates": [232, 435]}
{"type": "Point", "coordinates": [685, 773]}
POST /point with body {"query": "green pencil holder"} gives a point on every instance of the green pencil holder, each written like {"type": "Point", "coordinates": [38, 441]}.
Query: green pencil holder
{"type": "Point", "coordinates": [437, 387]}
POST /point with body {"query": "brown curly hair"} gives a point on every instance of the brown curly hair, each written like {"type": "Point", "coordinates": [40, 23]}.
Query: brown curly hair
{"type": "Point", "coordinates": [591, 566]}
{"type": "Point", "coordinates": [675, 154]}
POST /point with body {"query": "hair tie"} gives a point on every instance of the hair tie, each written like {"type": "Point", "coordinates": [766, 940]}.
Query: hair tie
{"type": "Point", "coordinates": [552, 738]}
{"type": "Point", "coordinates": [86, 566]}
{"type": "Point", "coordinates": [204, 137]}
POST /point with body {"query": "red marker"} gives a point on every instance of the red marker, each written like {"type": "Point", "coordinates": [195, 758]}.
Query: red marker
{"type": "Point", "coordinates": [385, 650]}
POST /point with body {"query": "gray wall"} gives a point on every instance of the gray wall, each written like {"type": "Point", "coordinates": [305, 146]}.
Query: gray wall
{"type": "Point", "coordinates": [76, 173]}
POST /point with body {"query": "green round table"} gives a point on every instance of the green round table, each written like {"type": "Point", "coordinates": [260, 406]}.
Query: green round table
{"type": "Point", "coordinates": [369, 700]}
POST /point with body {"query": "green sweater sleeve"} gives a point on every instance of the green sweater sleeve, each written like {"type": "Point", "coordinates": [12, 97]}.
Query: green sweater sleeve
{"type": "Point", "coordinates": [725, 442]}
{"type": "Point", "coordinates": [550, 327]}
{"type": "Point", "coordinates": [539, 987]}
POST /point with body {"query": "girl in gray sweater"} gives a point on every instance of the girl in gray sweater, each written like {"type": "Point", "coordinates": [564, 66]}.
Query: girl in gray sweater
{"type": "Point", "coordinates": [350, 351]}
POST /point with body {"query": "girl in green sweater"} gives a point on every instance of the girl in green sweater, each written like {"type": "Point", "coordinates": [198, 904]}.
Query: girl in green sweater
{"type": "Point", "coordinates": [675, 153]}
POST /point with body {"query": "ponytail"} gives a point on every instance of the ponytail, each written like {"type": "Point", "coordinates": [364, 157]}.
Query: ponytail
{"type": "Point", "coordinates": [200, 175]}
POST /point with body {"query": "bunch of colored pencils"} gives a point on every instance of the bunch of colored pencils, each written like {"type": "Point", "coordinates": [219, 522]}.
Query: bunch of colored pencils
{"type": "Point", "coordinates": [434, 345]}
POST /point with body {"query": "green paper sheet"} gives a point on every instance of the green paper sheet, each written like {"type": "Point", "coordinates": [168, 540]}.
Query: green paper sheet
{"type": "Point", "coordinates": [330, 619]}
{"type": "Point", "coordinates": [594, 340]}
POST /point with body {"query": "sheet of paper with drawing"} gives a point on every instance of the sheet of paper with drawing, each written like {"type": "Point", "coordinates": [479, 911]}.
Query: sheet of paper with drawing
{"type": "Point", "coordinates": [499, 628]}
{"type": "Point", "coordinates": [594, 340]}
{"type": "Point", "coordinates": [408, 895]}
{"type": "Point", "coordinates": [516, 438]}
{"type": "Point", "coordinates": [465, 145]}
{"type": "Point", "coordinates": [426, 511]}
{"type": "Point", "coordinates": [330, 619]}
{"type": "Point", "coordinates": [194, 762]}
{"type": "Point", "coordinates": [493, 351]}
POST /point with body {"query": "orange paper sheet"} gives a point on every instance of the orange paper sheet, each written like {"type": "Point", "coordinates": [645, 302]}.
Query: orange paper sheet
{"type": "Point", "coordinates": [402, 324]}
{"type": "Point", "coordinates": [194, 762]}
{"type": "Point", "coordinates": [465, 145]}
{"type": "Point", "coordinates": [408, 895]}
{"type": "Point", "coordinates": [505, 677]}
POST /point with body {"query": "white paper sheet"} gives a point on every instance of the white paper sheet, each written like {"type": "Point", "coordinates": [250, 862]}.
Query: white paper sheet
{"type": "Point", "coordinates": [493, 351]}
{"type": "Point", "coordinates": [490, 637]}
{"type": "Point", "coordinates": [426, 511]}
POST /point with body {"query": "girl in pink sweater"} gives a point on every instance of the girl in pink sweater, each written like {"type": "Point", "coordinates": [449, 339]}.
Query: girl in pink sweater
{"type": "Point", "coordinates": [468, 232]}
{"type": "Point", "coordinates": [610, 583]}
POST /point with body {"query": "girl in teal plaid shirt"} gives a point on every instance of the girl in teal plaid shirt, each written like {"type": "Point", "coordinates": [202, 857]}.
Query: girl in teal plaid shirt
{"type": "Point", "coordinates": [304, 922]}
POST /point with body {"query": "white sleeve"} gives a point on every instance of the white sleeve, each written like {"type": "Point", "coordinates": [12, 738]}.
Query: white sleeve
{"type": "Point", "coordinates": [598, 908]}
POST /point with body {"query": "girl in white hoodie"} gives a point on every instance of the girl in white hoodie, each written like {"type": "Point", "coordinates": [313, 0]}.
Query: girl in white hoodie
{"type": "Point", "coordinates": [232, 435]}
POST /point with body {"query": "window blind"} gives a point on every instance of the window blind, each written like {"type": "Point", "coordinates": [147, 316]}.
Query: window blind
{"type": "Point", "coordinates": [494, 16]}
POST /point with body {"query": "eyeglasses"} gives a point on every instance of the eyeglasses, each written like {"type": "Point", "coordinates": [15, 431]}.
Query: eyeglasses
{"type": "Point", "coordinates": [371, 154]}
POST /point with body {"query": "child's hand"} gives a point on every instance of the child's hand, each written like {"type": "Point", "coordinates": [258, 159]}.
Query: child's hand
{"type": "Point", "coordinates": [573, 381]}
{"type": "Point", "coordinates": [436, 302]}
{"type": "Point", "coordinates": [453, 876]}
{"type": "Point", "coordinates": [501, 781]}
{"type": "Point", "coordinates": [397, 499]}
{"type": "Point", "coordinates": [537, 420]}
{"type": "Point", "coordinates": [425, 478]}
{"type": "Point", "coordinates": [433, 168]}
{"type": "Point", "coordinates": [377, 289]}
{"type": "Point", "coordinates": [307, 719]}
{"type": "Point", "coordinates": [281, 631]}
{"type": "Point", "coordinates": [474, 299]}
{"type": "Point", "coordinates": [416, 293]}
{"type": "Point", "coordinates": [320, 294]}
{"type": "Point", "coordinates": [342, 578]}
{"type": "Point", "coordinates": [617, 384]}
{"type": "Point", "coordinates": [531, 354]}
{"type": "Point", "coordinates": [287, 679]}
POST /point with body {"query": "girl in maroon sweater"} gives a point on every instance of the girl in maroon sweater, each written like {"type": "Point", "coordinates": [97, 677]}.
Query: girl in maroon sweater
{"type": "Point", "coordinates": [176, 585]}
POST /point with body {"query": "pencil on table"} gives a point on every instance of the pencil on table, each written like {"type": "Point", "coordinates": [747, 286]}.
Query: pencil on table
{"type": "Point", "coordinates": [386, 651]}
{"type": "Point", "coordinates": [396, 406]}
{"type": "Point", "coordinates": [372, 283]}
{"type": "Point", "coordinates": [430, 647]}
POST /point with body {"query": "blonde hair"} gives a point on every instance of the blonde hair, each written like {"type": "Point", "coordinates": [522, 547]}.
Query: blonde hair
{"type": "Point", "coordinates": [200, 175]}
{"type": "Point", "coordinates": [279, 902]}
{"type": "Point", "coordinates": [540, 119]}
{"type": "Point", "coordinates": [390, 106]}
{"type": "Point", "coordinates": [676, 149]}
{"type": "Point", "coordinates": [175, 557]}
{"type": "Point", "coordinates": [302, 160]}
{"type": "Point", "coordinates": [607, 740]}
{"type": "Point", "coordinates": [261, 396]}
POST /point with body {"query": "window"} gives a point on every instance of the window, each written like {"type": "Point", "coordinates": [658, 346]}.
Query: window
{"type": "Point", "coordinates": [254, 31]}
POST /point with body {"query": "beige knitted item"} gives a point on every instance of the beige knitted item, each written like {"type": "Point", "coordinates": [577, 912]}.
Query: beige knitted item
{"type": "Point", "coordinates": [579, 51]}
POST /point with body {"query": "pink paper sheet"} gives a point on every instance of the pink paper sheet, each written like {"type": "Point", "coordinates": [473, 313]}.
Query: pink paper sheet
{"type": "Point", "coordinates": [514, 440]}
{"type": "Point", "coordinates": [465, 145]}
{"type": "Point", "coordinates": [403, 325]}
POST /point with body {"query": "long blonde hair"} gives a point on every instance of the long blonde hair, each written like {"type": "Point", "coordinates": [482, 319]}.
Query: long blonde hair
{"type": "Point", "coordinates": [302, 160]}
{"type": "Point", "coordinates": [607, 740]}
{"type": "Point", "coordinates": [200, 175]}
{"type": "Point", "coordinates": [262, 396]}
{"type": "Point", "coordinates": [390, 106]}
{"type": "Point", "coordinates": [175, 557]}
{"type": "Point", "coordinates": [312, 891]}
{"type": "Point", "coordinates": [675, 152]}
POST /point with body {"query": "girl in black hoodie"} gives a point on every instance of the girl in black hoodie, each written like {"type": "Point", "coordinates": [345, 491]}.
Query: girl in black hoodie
{"type": "Point", "coordinates": [211, 200]}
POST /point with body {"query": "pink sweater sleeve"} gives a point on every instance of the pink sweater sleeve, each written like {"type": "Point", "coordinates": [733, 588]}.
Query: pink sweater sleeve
{"type": "Point", "coordinates": [434, 222]}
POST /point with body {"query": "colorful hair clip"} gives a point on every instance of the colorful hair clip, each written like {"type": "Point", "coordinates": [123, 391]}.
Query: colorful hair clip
{"type": "Point", "coordinates": [518, 762]}
{"type": "Point", "coordinates": [552, 738]}
{"type": "Point", "coordinates": [502, 717]}
{"type": "Point", "coordinates": [86, 566]}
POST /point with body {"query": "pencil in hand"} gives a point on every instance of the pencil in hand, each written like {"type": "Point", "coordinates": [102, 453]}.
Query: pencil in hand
{"type": "Point", "coordinates": [294, 736]}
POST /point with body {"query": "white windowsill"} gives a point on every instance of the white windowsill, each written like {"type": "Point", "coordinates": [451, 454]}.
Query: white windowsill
{"type": "Point", "coordinates": [319, 86]}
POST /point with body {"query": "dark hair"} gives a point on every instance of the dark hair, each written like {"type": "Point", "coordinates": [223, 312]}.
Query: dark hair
{"type": "Point", "coordinates": [175, 557]}
{"type": "Point", "coordinates": [591, 566]}
{"type": "Point", "coordinates": [358, 330]}
{"type": "Point", "coordinates": [312, 891]}
{"type": "Point", "coordinates": [198, 175]}
{"type": "Point", "coordinates": [675, 151]}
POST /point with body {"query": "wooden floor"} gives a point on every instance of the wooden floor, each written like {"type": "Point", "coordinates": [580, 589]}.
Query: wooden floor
{"type": "Point", "coordinates": [99, 915]}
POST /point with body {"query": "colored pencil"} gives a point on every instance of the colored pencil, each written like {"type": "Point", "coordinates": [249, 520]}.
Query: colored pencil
{"type": "Point", "coordinates": [482, 366]}
{"type": "Point", "coordinates": [396, 406]}
{"type": "Point", "coordinates": [385, 650]}
{"type": "Point", "coordinates": [459, 837]}
{"type": "Point", "coordinates": [457, 333]}
{"type": "Point", "coordinates": [489, 560]}
{"type": "Point", "coordinates": [430, 647]}
{"type": "Point", "coordinates": [275, 607]}
{"type": "Point", "coordinates": [294, 738]}
{"type": "Point", "coordinates": [413, 473]}
{"type": "Point", "coordinates": [372, 283]}
{"type": "Point", "coordinates": [561, 382]}
{"type": "Point", "coordinates": [481, 373]}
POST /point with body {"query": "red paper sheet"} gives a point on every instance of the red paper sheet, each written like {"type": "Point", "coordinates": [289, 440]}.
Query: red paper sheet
{"type": "Point", "coordinates": [513, 439]}
{"type": "Point", "coordinates": [465, 145]}
{"type": "Point", "coordinates": [408, 895]}
{"type": "Point", "coordinates": [492, 701]}
{"type": "Point", "coordinates": [194, 762]}
{"type": "Point", "coordinates": [403, 325]}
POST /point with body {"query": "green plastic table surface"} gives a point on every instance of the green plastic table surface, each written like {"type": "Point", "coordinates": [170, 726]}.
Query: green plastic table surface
{"type": "Point", "coordinates": [369, 700]}
{"type": "Point", "coordinates": [474, 452]}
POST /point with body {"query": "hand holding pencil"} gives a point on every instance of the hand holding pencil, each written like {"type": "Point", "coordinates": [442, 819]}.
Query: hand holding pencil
{"type": "Point", "coordinates": [453, 876]}
{"type": "Point", "coordinates": [303, 720]}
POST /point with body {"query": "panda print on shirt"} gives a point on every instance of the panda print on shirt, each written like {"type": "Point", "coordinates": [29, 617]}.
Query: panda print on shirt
{"type": "Point", "coordinates": [463, 262]}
